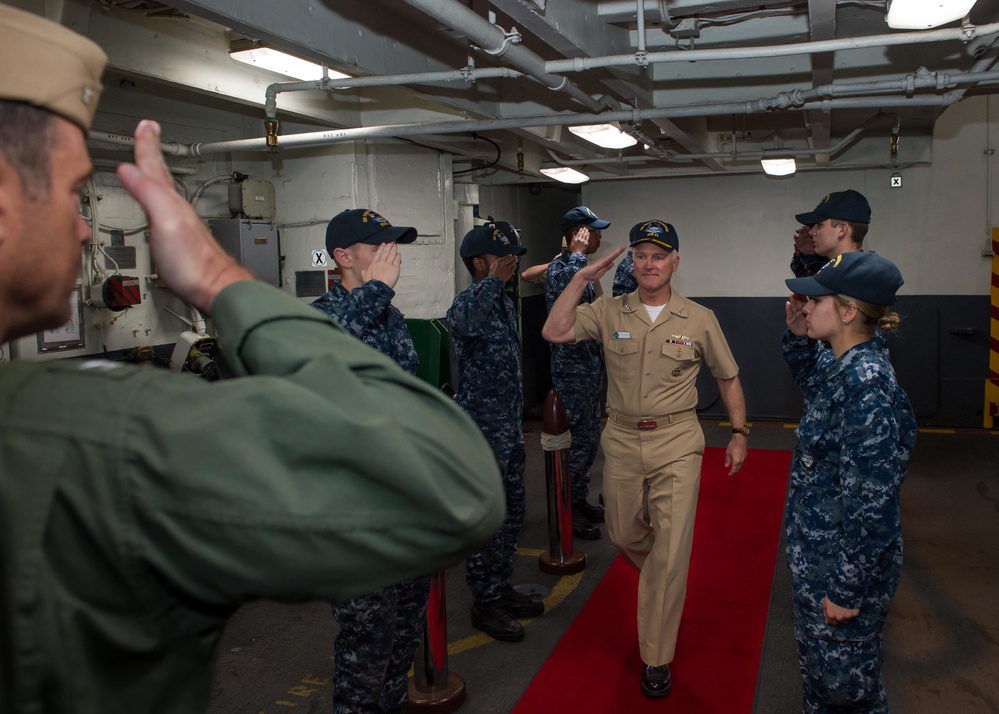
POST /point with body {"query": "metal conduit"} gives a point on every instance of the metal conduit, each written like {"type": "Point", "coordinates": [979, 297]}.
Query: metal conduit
{"type": "Point", "coordinates": [581, 64]}
{"type": "Point", "coordinates": [640, 16]}
{"type": "Point", "coordinates": [906, 84]}
{"type": "Point", "coordinates": [965, 34]}
{"type": "Point", "coordinates": [495, 42]}
{"type": "Point", "coordinates": [783, 100]}
{"type": "Point", "coordinates": [467, 74]}
{"type": "Point", "coordinates": [334, 136]}
{"type": "Point", "coordinates": [168, 148]}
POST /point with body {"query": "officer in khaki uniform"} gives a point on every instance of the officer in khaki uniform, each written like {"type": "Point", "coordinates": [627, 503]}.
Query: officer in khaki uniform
{"type": "Point", "coordinates": [655, 342]}
{"type": "Point", "coordinates": [138, 507]}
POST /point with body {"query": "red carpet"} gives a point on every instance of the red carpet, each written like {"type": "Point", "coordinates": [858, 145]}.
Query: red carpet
{"type": "Point", "coordinates": [596, 668]}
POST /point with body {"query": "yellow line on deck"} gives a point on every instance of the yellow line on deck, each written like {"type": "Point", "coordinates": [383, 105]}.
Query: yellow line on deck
{"type": "Point", "coordinates": [565, 585]}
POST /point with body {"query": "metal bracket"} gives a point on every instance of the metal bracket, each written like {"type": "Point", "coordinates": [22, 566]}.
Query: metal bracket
{"type": "Point", "coordinates": [513, 37]}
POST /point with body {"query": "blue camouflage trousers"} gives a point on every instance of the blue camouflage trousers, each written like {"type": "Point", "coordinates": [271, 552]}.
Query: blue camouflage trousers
{"type": "Point", "coordinates": [841, 664]}
{"type": "Point", "coordinates": [379, 634]}
{"type": "Point", "coordinates": [489, 569]}
{"type": "Point", "coordinates": [582, 395]}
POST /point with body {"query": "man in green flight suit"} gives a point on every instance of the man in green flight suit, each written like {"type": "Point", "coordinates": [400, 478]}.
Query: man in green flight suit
{"type": "Point", "coordinates": [126, 541]}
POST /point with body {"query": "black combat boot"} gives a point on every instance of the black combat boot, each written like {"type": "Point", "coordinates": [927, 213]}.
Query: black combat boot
{"type": "Point", "coordinates": [491, 618]}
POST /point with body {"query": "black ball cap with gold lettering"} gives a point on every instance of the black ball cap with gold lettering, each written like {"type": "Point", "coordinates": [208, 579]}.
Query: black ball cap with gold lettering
{"type": "Point", "coordinates": [657, 232]}
{"type": "Point", "coordinates": [362, 225]}
{"type": "Point", "coordinates": [498, 238]}
{"type": "Point", "coordinates": [863, 276]}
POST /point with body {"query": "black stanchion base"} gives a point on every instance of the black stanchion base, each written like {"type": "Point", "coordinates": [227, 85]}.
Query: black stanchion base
{"type": "Point", "coordinates": [567, 566]}
{"type": "Point", "coordinates": [445, 701]}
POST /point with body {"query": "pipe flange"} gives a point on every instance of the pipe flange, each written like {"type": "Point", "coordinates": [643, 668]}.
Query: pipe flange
{"type": "Point", "coordinates": [512, 37]}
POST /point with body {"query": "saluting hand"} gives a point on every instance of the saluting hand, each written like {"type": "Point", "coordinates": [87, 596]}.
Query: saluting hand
{"type": "Point", "coordinates": [504, 268]}
{"type": "Point", "coordinates": [598, 268]}
{"type": "Point", "coordinates": [385, 265]}
{"type": "Point", "coordinates": [803, 241]}
{"type": "Point", "coordinates": [795, 309]}
{"type": "Point", "coordinates": [186, 256]}
{"type": "Point", "coordinates": [580, 241]}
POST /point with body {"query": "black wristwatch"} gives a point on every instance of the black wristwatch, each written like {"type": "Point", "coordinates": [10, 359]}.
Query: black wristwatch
{"type": "Point", "coordinates": [744, 430]}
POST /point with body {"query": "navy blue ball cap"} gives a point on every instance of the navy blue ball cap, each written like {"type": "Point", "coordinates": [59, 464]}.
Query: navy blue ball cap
{"type": "Point", "coordinates": [362, 225]}
{"type": "Point", "coordinates": [582, 216]}
{"type": "Point", "coordinates": [846, 205]}
{"type": "Point", "coordinates": [864, 276]}
{"type": "Point", "coordinates": [657, 232]}
{"type": "Point", "coordinates": [498, 238]}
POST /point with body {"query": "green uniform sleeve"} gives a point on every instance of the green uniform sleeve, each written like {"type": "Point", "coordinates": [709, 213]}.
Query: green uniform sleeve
{"type": "Point", "coordinates": [324, 471]}
{"type": "Point", "coordinates": [328, 471]}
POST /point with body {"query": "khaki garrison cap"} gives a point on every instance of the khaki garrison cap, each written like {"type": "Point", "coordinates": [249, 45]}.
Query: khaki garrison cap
{"type": "Point", "coordinates": [49, 66]}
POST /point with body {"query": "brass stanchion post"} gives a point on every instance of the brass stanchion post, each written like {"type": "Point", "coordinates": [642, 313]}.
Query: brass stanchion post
{"type": "Point", "coordinates": [433, 687]}
{"type": "Point", "coordinates": [560, 559]}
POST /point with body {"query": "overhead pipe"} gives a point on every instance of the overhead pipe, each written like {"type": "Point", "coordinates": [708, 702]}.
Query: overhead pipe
{"type": "Point", "coordinates": [964, 34]}
{"type": "Point", "coordinates": [582, 64]}
{"type": "Point", "coordinates": [494, 41]}
{"type": "Point", "coordinates": [168, 148]}
{"type": "Point", "coordinates": [333, 136]}
{"type": "Point", "coordinates": [981, 66]}
{"type": "Point", "coordinates": [466, 74]}
{"type": "Point", "coordinates": [782, 101]}
{"type": "Point", "coordinates": [640, 16]}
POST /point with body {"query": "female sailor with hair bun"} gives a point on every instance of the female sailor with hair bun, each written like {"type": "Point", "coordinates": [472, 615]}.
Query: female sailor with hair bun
{"type": "Point", "coordinates": [857, 432]}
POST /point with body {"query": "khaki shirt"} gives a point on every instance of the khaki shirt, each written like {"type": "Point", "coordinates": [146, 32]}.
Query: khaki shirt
{"type": "Point", "coordinates": [652, 369]}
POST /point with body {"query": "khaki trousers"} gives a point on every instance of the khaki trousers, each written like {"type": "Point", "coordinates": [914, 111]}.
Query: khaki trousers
{"type": "Point", "coordinates": [651, 479]}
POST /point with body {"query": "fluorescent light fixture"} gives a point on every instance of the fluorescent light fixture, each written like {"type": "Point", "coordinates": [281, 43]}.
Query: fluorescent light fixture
{"type": "Point", "coordinates": [282, 63]}
{"type": "Point", "coordinates": [923, 14]}
{"type": "Point", "coordinates": [608, 136]}
{"type": "Point", "coordinates": [565, 174]}
{"type": "Point", "coordinates": [778, 167]}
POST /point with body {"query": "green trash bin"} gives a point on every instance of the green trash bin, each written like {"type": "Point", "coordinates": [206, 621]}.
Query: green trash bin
{"type": "Point", "coordinates": [433, 345]}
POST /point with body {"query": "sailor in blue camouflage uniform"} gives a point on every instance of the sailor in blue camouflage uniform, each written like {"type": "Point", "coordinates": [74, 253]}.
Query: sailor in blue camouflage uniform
{"type": "Point", "coordinates": [624, 276]}
{"type": "Point", "coordinates": [380, 631]}
{"type": "Point", "coordinates": [483, 323]}
{"type": "Point", "coordinates": [857, 433]}
{"type": "Point", "coordinates": [578, 369]}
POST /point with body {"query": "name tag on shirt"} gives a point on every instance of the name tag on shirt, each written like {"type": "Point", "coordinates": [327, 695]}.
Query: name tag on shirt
{"type": "Point", "coordinates": [622, 335]}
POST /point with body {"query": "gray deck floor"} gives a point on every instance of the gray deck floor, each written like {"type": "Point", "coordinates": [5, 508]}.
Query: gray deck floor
{"type": "Point", "coordinates": [942, 637]}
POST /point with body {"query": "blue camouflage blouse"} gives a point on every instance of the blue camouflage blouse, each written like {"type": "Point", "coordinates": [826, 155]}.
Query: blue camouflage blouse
{"type": "Point", "coordinates": [367, 313]}
{"type": "Point", "coordinates": [855, 439]}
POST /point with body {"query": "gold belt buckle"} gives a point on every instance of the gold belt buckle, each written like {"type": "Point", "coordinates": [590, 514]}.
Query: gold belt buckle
{"type": "Point", "coordinates": [647, 424]}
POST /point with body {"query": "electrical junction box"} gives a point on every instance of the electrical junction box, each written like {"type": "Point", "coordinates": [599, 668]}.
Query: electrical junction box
{"type": "Point", "coordinates": [116, 293]}
{"type": "Point", "coordinates": [252, 198]}
{"type": "Point", "coordinates": [252, 243]}
{"type": "Point", "coordinates": [195, 353]}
